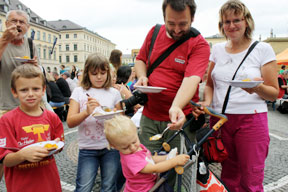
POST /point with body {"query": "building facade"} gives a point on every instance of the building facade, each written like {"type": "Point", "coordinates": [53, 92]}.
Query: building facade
{"type": "Point", "coordinates": [77, 42]}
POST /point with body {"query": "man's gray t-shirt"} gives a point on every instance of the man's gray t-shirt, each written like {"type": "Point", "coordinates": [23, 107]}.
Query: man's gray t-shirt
{"type": "Point", "coordinates": [8, 64]}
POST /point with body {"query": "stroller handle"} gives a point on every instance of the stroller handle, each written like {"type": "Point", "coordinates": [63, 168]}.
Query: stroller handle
{"type": "Point", "coordinates": [210, 111]}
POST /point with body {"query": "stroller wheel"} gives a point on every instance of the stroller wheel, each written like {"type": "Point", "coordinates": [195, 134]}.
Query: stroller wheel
{"type": "Point", "coordinates": [166, 147]}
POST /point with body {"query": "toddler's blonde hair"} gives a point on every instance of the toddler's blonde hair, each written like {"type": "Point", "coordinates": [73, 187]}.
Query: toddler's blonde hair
{"type": "Point", "coordinates": [118, 126]}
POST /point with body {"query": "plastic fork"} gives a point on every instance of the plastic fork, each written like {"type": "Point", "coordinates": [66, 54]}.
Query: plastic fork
{"type": "Point", "coordinates": [159, 135]}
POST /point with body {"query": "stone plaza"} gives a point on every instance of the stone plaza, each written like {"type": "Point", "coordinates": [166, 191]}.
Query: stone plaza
{"type": "Point", "coordinates": [276, 170]}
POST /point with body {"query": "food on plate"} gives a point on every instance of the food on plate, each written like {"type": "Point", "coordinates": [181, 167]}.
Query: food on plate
{"type": "Point", "coordinates": [246, 79]}
{"type": "Point", "coordinates": [25, 57]}
{"type": "Point", "coordinates": [107, 109]}
{"type": "Point", "coordinates": [49, 146]}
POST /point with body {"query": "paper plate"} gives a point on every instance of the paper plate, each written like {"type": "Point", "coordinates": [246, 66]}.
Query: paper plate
{"type": "Point", "coordinates": [149, 89]}
{"type": "Point", "coordinates": [22, 59]}
{"type": "Point", "coordinates": [106, 115]}
{"type": "Point", "coordinates": [245, 84]}
{"type": "Point", "coordinates": [60, 145]}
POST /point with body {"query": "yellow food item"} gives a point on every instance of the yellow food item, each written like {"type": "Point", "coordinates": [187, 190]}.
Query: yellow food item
{"type": "Point", "coordinates": [246, 79]}
{"type": "Point", "coordinates": [107, 109]}
{"type": "Point", "coordinates": [25, 57]}
{"type": "Point", "coordinates": [49, 146]}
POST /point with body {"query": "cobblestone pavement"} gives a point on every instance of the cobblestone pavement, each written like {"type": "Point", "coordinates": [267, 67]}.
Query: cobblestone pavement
{"type": "Point", "coordinates": [276, 170]}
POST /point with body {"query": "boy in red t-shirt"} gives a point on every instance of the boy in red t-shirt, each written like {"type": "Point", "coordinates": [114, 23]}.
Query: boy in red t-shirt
{"type": "Point", "coordinates": [31, 168]}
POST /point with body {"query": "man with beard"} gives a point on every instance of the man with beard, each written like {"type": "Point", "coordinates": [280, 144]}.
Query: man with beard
{"type": "Point", "coordinates": [12, 44]}
{"type": "Point", "coordinates": [180, 73]}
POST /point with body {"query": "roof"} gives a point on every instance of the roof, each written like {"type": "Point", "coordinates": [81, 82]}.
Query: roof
{"type": "Point", "coordinates": [276, 39]}
{"type": "Point", "coordinates": [15, 4]}
{"type": "Point", "coordinates": [65, 25]}
{"type": "Point", "coordinates": [282, 58]}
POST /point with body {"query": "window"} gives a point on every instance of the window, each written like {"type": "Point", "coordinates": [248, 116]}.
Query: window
{"type": "Point", "coordinates": [67, 47]}
{"type": "Point", "coordinates": [6, 9]}
{"type": "Point", "coordinates": [19, 7]}
{"type": "Point", "coordinates": [39, 52]}
{"type": "Point", "coordinates": [38, 35]}
{"type": "Point", "coordinates": [75, 58]}
{"type": "Point", "coordinates": [54, 55]}
{"type": "Point", "coordinates": [0, 25]}
{"type": "Point", "coordinates": [44, 36]}
{"type": "Point", "coordinates": [59, 47]}
{"type": "Point", "coordinates": [67, 59]}
{"type": "Point", "coordinates": [67, 36]}
{"type": "Point", "coordinates": [59, 36]}
{"type": "Point", "coordinates": [60, 59]}
{"type": "Point", "coordinates": [75, 47]}
{"type": "Point", "coordinates": [44, 53]}
{"type": "Point", "coordinates": [49, 54]}
{"type": "Point", "coordinates": [75, 36]}
{"type": "Point", "coordinates": [49, 38]}
{"type": "Point", "coordinates": [84, 47]}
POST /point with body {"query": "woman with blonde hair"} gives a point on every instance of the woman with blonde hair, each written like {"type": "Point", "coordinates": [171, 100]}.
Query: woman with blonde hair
{"type": "Point", "coordinates": [246, 134]}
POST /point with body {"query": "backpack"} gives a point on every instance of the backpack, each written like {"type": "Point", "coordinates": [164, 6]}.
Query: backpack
{"type": "Point", "coordinates": [48, 90]}
{"type": "Point", "coordinates": [281, 91]}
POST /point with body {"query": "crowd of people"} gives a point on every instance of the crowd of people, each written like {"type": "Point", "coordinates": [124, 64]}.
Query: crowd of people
{"type": "Point", "coordinates": [124, 153]}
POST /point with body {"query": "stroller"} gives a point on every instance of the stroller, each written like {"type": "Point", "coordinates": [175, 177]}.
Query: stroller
{"type": "Point", "coordinates": [190, 178]}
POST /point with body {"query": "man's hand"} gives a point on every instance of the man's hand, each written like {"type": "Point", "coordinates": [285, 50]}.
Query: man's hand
{"type": "Point", "coordinates": [142, 81]}
{"type": "Point", "coordinates": [10, 34]}
{"type": "Point", "coordinates": [33, 61]}
{"type": "Point", "coordinates": [177, 118]}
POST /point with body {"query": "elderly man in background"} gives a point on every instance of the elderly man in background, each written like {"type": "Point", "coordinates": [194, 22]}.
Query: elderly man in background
{"type": "Point", "coordinates": [13, 43]}
{"type": "Point", "coordinates": [72, 84]}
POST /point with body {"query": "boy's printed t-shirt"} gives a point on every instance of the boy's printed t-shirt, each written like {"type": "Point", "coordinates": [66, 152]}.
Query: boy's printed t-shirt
{"type": "Point", "coordinates": [132, 164]}
{"type": "Point", "coordinates": [18, 130]}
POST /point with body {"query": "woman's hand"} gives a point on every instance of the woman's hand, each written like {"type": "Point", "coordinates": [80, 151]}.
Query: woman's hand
{"type": "Point", "coordinates": [254, 89]}
{"type": "Point", "coordinates": [197, 111]}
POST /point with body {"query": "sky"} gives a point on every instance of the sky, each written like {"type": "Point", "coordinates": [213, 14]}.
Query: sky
{"type": "Point", "coordinates": [127, 22]}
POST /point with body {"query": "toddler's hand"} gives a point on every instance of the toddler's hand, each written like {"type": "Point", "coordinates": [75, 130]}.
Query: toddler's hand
{"type": "Point", "coordinates": [182, 159]}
